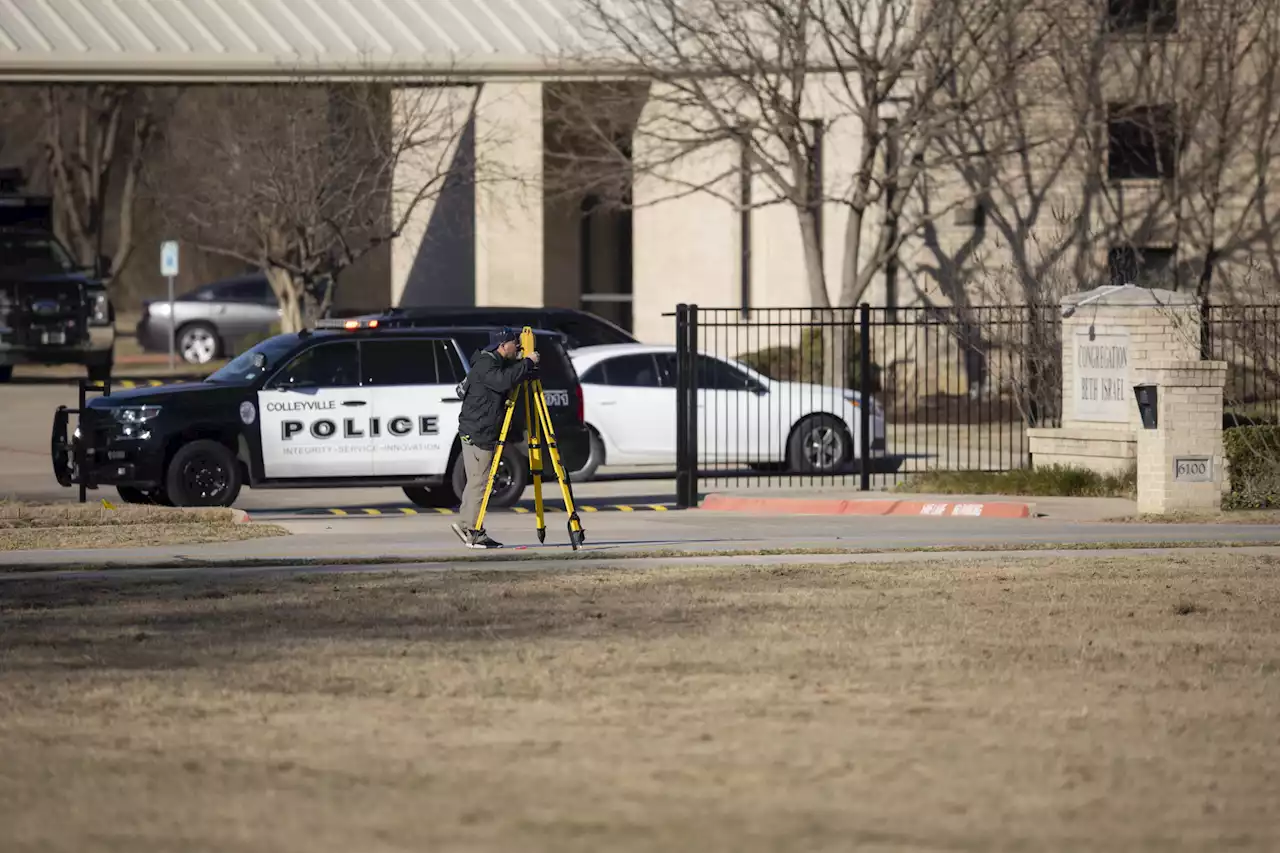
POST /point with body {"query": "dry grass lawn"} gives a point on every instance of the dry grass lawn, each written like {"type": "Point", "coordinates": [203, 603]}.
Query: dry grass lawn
{"type": "Point", "coordinates": [26, 527]}
{"type": "Point", "coordinates": [1124, 704]}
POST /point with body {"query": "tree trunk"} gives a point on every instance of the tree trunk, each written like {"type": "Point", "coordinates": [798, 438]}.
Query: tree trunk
{"type": "Point", "coordinates": [829, 367]}
{"type": "Point", "coordinates": [289, 292]}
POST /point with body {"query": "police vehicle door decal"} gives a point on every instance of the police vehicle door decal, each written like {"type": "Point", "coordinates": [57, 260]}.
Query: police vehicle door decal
{"type": "Point", "coordinates": [415, 406]}
{"type": "Point", "coordinates": [315, 418]}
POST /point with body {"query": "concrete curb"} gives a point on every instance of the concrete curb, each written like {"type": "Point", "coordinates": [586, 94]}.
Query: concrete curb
{"type": "Point", "coordinates": [867, 506]}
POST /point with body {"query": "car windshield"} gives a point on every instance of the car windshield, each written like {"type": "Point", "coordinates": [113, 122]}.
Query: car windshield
{"type": "Point", "coordinates": [246, 367]}
{"type": "Point", "coordinates": [34, 254]}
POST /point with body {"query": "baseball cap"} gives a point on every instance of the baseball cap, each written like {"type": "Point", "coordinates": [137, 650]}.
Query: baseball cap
{"type": "Point", "coordinates": [497, 339]}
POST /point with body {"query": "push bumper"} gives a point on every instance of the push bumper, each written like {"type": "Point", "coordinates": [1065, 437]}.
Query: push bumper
{"type": "Point", "coordinates": [91, 456]}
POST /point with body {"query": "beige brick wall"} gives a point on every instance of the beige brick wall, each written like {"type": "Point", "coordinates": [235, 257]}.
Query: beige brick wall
{"type": "Point", "coordinates": [1189, 424]}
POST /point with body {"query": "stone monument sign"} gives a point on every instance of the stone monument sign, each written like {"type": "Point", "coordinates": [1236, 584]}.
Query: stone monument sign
{"type": "Point", "coordinates": [1102, 388]}
{"type": "Point", "coordinates": [1110, 335]}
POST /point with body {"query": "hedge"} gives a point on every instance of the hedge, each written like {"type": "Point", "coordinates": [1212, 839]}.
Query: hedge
{"type": "Point", "coordinates": [1253, 464]}
{"type": "Point", "coordinates": [804, 363]}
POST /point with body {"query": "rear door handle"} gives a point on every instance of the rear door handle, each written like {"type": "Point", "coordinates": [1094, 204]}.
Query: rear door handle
{"type": "Point", "coordinates": [608, 402]}
{"type": "Point", "coordinates": [450, 399]}
{"type": "Point", "coordinates": [353, 402]}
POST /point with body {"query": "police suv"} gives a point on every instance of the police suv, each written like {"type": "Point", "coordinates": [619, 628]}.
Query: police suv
{"type": "Point", "coordinates": [346, 405]}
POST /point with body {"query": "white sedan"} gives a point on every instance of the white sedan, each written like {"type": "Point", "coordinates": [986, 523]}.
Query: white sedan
{"type": "Point", "coordinates": [629, 392]}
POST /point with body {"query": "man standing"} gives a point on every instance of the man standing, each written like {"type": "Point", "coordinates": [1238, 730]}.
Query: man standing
{"type": "Point", "coordinates": [495, 371]}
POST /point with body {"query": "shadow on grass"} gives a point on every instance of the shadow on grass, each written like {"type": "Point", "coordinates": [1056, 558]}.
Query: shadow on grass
{"type": "Point", "coordinates": [193, 623]}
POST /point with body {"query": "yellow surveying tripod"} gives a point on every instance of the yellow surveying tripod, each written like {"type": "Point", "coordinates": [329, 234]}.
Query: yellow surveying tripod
{"type": "Point", "coordinates": [537, 418]}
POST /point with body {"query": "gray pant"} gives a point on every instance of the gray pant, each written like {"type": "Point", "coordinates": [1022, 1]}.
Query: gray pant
{"type": "Point", "coordinates": [475, 462]}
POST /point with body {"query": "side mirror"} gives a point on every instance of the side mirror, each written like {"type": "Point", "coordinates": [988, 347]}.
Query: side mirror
{"type": "Point", "coordinates": [104, 265]}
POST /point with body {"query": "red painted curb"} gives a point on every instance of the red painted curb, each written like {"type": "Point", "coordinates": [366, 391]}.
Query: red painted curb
{"type": "Point", "coordinates": [868, 506]}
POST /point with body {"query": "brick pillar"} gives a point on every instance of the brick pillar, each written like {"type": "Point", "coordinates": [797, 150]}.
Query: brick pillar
{"type": "Point", "coordinates": [1181, 464]}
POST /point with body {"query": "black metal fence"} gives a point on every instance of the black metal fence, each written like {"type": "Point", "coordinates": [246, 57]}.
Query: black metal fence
{"type": "Point", "coordinates": [800, 397]}
{"type": "Point", "coordinates": [1247, 338]}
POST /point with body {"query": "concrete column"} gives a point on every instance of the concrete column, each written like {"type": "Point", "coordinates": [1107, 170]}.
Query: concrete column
{"type": "Point", "coordinates": [509, 195]}
{"type": "Point", "coordinates": [433, 261]}
{"type": "Point", "coordinates": [1181, 463]}
{"type": "Point", "coordinates": [686, 244]}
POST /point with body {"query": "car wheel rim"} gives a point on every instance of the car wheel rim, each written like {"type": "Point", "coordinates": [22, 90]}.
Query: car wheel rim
{"type": "Point", "coordinates": [205, 478]}
{"type": "Point", "coordinates": [823, 447]}
{"type": "Point", "coordinates": [198, 346]}
{"type": "Point", "coordinates": [504, 478]}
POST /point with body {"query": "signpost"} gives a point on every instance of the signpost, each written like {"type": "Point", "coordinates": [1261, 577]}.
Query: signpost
{"type": "Point", "coordinates": [169, 269]}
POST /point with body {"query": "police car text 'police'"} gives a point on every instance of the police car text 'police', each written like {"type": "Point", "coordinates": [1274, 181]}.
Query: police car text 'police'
{"type": "Point", "coordinates": [352, 427]}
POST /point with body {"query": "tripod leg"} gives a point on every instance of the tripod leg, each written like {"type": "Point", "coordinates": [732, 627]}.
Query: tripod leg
{"type": "Point", "coordinates": [576, 534]}
{"type": "Point", "coordinates": [535, 461]}
{"type": "Point", "coordinates": [497, 457]}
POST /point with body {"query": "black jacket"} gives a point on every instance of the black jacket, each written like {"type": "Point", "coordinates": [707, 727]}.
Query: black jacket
{"type": "Point", "coordinates": [488, 386]}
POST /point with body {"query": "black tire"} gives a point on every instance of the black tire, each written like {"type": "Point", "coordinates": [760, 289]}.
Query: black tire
{"type": "Point", "coordinates": [819, 444]}
{"type": "Point", "coordinates": [440, 497]}
{"type": "Point", "coordinates": [595, 458]}
{"type": "Point", "coordinates": [206, 333]}
{"type": "Point", "coordinates": [132, 495]}
{"type": "Point", "coordinates": [6, 372]}
{"type": "Point", "coordinates": [203, 473]}
{"type": "Point", "coordinates": [508, 485]}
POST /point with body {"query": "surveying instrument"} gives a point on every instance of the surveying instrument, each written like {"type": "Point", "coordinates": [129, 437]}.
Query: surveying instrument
{"type": "Point", "coordinates": [537, 418]}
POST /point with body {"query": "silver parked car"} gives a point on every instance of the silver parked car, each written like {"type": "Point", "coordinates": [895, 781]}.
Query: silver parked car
{"type": "Point", "coordinates": [210, 319]}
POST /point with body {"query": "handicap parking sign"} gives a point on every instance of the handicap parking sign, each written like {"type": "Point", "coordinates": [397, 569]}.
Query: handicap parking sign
{"type": "Point", "coordinates": [169, 258]}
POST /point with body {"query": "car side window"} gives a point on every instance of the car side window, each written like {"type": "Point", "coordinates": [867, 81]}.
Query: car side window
{"type": "Point", "coordinates": [715, 375]}
{"type": "Point", "coordinates": [632, 371]}
{"type": "Point", "coordinates": [335, 365]}
{"type": "Point", "coordinates": [594, 375]}
{"type": "Point", "coordinates": [449, 363]}
{"type": "Point", "coordinates": [666, 369]}
{"type": "Point", "coordinates": [399, 362]}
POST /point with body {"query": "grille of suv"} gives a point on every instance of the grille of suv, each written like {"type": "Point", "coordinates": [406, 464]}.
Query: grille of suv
{"type": "Point", "coordinates": [46, 313]}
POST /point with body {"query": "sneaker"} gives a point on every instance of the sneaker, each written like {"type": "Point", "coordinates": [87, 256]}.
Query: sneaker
{"type": "Point", "coordinates": [462, 533]}
{"type": "Point", "coordinates": [482, 541]}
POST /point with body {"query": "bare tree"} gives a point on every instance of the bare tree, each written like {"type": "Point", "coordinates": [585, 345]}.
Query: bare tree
{"type": "Point", "coordinates": [302, 180]}
{"type": "Point", "coordinates": [97, 141]}
{"type": "Point", "coordinates": [734, 91]}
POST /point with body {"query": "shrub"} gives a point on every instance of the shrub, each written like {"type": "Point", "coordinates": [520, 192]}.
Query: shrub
{"type": "Point", "coordinates": [804, 362]}
{"type": "Point", "coordinates": [1253, 464]}
{"type": "Point", "coordinates": [1046, 481]}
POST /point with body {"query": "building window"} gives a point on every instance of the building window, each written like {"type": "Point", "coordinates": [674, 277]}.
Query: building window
{"type": "Point", "coordinates": [1155, 17]}
{"type": "Point", "coordinates": [1143, 265]}
{"type": "Point", "coordinates": [1142, 142]}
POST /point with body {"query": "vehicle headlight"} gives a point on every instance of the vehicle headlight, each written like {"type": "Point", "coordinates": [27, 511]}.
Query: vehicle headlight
{"type": "Point", "coordinates": [135, 414]}
{"type": "Point", "coordinates": [101, 308]}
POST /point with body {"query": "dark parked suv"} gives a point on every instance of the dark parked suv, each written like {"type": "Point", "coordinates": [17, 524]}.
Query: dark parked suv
{"type": "Point", "coordinates": [580, 328]}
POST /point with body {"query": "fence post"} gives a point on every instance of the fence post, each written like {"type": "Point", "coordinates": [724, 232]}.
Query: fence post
{"type": "Point", "coordinates": [1206, 329]}
{"type": "Point", "coordinates": [683, 473]}
{"type": "Point", "coordinates": [864, 392]}
{"type": "Point", "coordinates": [691, 403]}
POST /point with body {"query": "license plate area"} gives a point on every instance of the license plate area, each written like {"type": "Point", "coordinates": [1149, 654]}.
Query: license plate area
{"type": "Point", "coordinates": [53, 337]}
{"type": "Point", "coordinates": [556, 398]}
